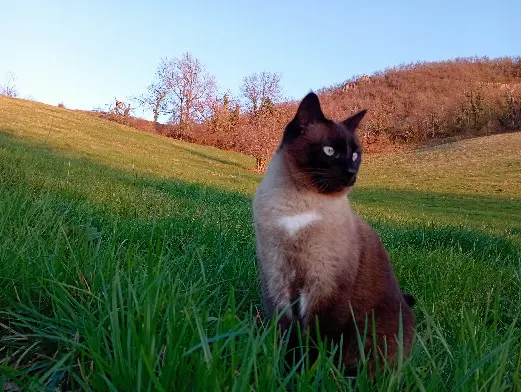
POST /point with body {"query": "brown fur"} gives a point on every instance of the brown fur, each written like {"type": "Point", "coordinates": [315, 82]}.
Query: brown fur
{"type": "Point", "coordinates": [332, 266]}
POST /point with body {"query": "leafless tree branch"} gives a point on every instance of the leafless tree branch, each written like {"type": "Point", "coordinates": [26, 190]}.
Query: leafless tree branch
{"type": "Point", "coordinates": [261, 89]}
{"type": "Point", "coordinates": [9, 87]}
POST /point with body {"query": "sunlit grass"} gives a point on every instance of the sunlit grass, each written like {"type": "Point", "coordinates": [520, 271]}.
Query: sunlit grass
{"type": "Point", "coordinates": [128, 262]}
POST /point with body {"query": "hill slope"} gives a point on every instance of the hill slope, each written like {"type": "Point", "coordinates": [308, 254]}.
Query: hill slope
{"type": "Point", "coordinates": [128, 259]}
{"type": "Point", "coordinates": [78, 134]}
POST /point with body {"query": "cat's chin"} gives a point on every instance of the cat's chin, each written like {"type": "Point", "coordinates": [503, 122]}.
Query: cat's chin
{"type": "Point", "coordinates": [351, 182]}
{"type": "Point", "coordinates": [340, 192]}
{"type": "Point", "coordinates": [349, 185]}
{"type": "Point", "coordinates": [346, 188]}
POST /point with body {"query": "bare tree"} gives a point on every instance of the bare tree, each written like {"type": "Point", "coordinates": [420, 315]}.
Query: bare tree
{"type": "Point", "coordinates": [9, 87]}
{"type": "Point", "coordinates": [261, 90]}
{"type": "Point", "coordinates": [191, 89]}
{"type": "Point", "coordinates": [121, 108]}
{"type": "Point", "coordinates": [118, 108]}
{"type": "Point", "coordinates": [155, 98]}
{"type": "Point", "coordinates": [157, 95]}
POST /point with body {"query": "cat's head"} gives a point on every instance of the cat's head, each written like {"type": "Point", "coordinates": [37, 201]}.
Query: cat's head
{"type": "Point", "coordinates": [323, 155]}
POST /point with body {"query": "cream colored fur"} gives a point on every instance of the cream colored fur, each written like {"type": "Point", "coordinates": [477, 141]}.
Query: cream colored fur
{"type": "Point", "coordinates": [317, 241]}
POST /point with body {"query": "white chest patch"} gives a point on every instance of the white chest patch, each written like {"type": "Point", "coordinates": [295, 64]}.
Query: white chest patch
{"type": "Point", "coordinates": [292, 224]}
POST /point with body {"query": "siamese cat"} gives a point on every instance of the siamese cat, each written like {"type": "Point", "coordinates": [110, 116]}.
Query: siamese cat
{"type": "Point", "coordinates": [321, 263]}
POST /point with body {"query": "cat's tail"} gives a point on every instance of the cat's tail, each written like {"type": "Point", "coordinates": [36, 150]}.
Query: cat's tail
{"type": "Point", "coordinates": [409, 300]}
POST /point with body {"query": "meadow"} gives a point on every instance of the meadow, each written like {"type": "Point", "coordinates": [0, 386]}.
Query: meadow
{"type": "Point", "coordinates": [127, 262]}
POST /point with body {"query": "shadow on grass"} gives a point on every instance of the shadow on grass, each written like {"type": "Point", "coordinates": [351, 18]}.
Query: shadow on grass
{"type": "Point", "coordinates": [448, 208]}
{"type": "Point", "coordinates": [194, 245]}
{"type": "Point", "coordinates": [212, 158]}
{"type": "Point", "coordinates": [195, 212]}
{"type": "Point", "coordinates": [32, 162]}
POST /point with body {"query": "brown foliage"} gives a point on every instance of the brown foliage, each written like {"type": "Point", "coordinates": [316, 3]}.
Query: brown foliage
{"type": "Point", "coordinates": [407, 105]}
{"type": "Point", "coordinates": [413, 104]}
{"type": "Point", "coordinates": [138, 123]}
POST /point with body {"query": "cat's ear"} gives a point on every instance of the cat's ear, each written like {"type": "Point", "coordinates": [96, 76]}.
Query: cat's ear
{"type": "Point", "coordinates": [309, 111]}
{"type": "Point", "coordinates": [352, 122]}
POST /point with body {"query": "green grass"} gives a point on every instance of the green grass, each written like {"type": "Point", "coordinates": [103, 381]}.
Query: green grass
{"type": "Point", "coordinates": [128, 262]}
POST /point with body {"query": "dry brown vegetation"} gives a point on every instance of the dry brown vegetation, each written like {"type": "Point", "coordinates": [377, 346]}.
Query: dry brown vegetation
{"type": "Point", "coordinates": [408, 105]}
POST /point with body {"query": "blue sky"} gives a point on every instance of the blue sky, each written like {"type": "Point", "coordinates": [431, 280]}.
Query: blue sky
{"type": "Point", "coordinates": [86, 53]}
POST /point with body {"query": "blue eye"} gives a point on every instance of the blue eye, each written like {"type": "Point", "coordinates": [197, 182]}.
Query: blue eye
{"type": "Point", "coordinates": [329, 151]}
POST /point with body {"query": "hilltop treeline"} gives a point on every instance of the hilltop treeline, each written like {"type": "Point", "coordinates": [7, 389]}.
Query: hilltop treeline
{"type": "Point", "coordinates": [408, 104]}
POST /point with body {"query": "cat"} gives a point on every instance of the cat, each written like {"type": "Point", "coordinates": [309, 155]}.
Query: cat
{"type": "Point", "coordinates": [319, 261]}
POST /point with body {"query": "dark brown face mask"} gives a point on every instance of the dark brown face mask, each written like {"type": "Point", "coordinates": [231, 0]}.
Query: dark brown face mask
{"type": "Point", "coordinates": [326, 152]}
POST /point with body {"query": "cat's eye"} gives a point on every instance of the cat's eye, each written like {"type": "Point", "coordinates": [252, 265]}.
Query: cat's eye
{"type": "Point", "coordinates": [355, 156]}
{"type": "Point", "coordinates": [328, 150]}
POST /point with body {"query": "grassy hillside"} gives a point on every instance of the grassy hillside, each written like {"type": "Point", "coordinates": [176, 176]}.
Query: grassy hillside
{"type": "Point", "coordinates": [128, 261]}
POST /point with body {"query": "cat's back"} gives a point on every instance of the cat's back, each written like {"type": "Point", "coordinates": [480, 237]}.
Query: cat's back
{"type": "Point", "coordinates": [376, 280]}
